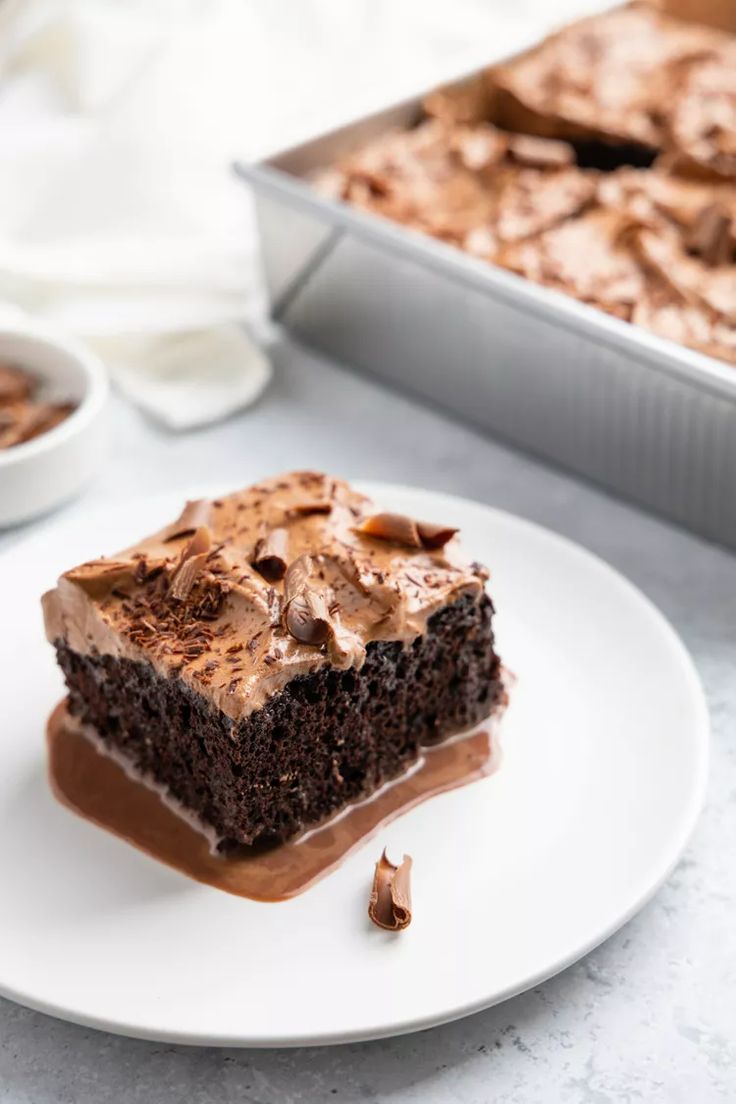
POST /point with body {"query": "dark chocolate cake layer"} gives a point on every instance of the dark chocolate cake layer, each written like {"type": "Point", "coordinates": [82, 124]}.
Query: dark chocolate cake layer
{"type": "Point", "coordinates": [327, 738]}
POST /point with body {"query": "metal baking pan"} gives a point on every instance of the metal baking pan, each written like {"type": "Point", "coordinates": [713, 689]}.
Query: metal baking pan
{"type": "Point", "coordinates": [638, 414]}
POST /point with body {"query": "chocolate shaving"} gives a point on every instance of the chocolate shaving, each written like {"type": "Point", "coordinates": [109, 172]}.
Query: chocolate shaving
{"type": "Point", "coordinates": [390, 902]}
{"type": "Point", "coordinates": [305, 509]}
{"type": "Point", "coordinates": [15, 385]}
{"type": "Point", "coordinates": [540, 153]}
{"type": "Point", "coordinates": [297, 576]}
{"type": "Point", "coordinates": [434, 536]}
{"type": "Point", "coordinates": [307, 616]}
{"type": "Point", "coordinates": [195, 515]}
{"type": "Point", "coordinates": [270, 555]}
{"type": "Point", "coordinates": [305, 612]}
{"type": "Point", "coordinates": [405, 530]}
{"type": "Point", "coordinates": [391, 527]}
{"type": "Point", "coordinates": [190, 564]}
{"type": "Point", "coordinates": [711, 236]}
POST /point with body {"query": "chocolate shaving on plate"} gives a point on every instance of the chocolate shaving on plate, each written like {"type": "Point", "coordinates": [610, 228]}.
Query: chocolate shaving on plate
{"type": "Point", "coordinates": [190, 564]}
{"type": "Point", "coordinates": [196, 513]}
{"type": "Point", "coordinates": [270, 555]}
{"type": "Point", "coordinates": [390, 902]}
{"type": "Point", "coordinates": [406, 530]}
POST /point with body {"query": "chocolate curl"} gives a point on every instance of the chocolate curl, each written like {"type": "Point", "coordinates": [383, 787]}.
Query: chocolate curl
{"type": "Point", "coordinates": [307, 618]}
{"type": "Point", "coordinates": [191, 562]}
{"type": "Point", "coordinates": [306, 509]}
{"type": "Point", "coordinates": [194, 516]}
{"type": "Point", "coordinates": [306, 615]}
{"type": "Point", "coordinates": [390, 902]}
{"type": "Point", "coordinates": [270, 555]}
{"type": "Point", "coordinates": [405, 530]}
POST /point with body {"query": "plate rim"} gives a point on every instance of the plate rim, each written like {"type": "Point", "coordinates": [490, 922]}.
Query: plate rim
{"type": "Point", "coordinates": [679, 840]}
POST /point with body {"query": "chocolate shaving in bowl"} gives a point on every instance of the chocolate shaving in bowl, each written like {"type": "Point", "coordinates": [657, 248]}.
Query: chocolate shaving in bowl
{"type": "Point", "coordinates": [390, 902]}
{"type": "Point", "coordinates": [269, 558]}
{"type": "Point", "coordinates": [15, 385]}
{"type": "Point", "coordinates": [405, 530]}
{"type": "Point", "coordinates": [191, 562]}
{"type": "Point", "coordinates": [195, 515]}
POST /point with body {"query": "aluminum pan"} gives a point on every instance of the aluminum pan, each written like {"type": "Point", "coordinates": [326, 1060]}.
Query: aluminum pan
{"type": "Point", "coordinates": [662, 417]}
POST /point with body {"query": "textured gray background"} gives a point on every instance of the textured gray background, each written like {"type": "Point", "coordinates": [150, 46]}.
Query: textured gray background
{"type": "Point", "coordinates": [651, 1015]}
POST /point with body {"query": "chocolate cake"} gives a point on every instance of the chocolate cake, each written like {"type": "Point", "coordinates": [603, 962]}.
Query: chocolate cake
{"type": "Point", "coordinates": [601, 163]}
{"type": "Point", "coordinates": [276, 654]}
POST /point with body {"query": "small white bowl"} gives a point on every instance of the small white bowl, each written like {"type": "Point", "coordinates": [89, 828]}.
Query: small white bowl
{"type": "Point", "coordinates": [47, 470]}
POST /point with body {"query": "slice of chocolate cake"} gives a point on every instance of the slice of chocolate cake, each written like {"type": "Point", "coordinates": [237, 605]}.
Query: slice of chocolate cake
{"type": "Point", "coordinates": [275, 654]}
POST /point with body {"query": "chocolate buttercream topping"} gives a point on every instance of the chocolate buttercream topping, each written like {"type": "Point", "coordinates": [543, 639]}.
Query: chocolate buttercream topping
{"type": "Point", "coordinates": [192, 602]}
{"type": "Point", "coordinates": [613, 76]}
{"type": "Point", "coordinates": [701, 138]}
{"type": "Point", "coordinates": [390, 901]}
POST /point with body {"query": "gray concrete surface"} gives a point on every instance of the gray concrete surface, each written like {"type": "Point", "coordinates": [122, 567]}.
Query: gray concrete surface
{"type": "Point", "coordinates": [649, 1016]}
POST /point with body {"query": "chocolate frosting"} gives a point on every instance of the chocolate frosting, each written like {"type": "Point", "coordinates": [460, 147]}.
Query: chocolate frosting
{"type": "Point", "coordinates": [701, 136]}
{"type": "Point", "coordinates": [453, 181]}
{"type": "Point", "coordinates": [612, 76]}
{"type": "Point", "coordinates": [192, 601]}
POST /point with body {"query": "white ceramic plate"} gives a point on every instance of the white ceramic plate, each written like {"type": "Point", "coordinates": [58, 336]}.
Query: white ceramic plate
{"type": "Point", "coordinates": [515, 877]}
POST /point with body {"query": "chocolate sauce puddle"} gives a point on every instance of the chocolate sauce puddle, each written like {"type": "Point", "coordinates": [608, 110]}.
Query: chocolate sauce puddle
{"type": "Point", "coordinates": [98, 789]}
